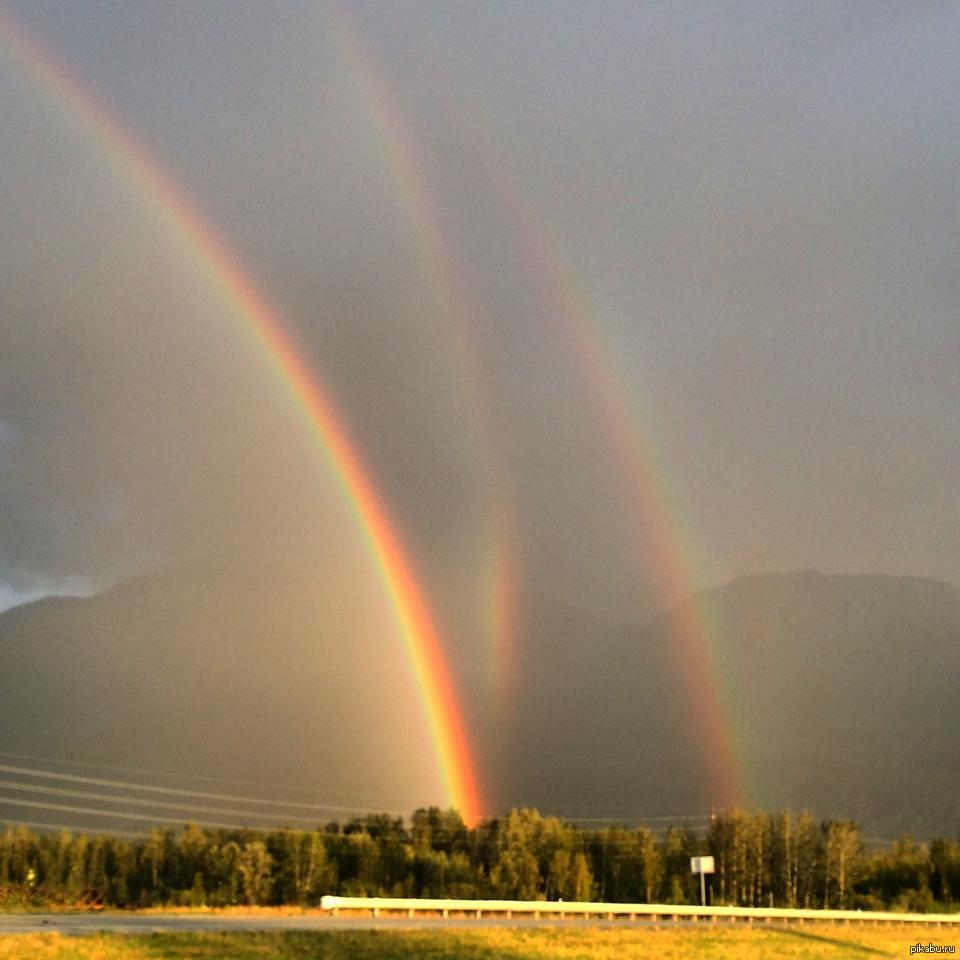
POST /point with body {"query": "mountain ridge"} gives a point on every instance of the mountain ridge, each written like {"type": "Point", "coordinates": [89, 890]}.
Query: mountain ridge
{"type": "Point", "coordinates": [827, 674]}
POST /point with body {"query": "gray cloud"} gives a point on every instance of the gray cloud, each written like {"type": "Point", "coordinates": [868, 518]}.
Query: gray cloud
{"type": "Point", "coordinates": [758, 204]}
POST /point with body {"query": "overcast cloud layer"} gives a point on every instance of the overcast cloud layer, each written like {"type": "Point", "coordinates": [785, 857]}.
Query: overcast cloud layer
{"type": "Point", "coordinates": [758, 202]}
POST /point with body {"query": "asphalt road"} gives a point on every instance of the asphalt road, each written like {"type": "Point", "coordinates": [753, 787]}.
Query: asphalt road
{"type": "Point", "coordinates": [145, 923]}
{"type": "Point", "coordinates": [80, 923]}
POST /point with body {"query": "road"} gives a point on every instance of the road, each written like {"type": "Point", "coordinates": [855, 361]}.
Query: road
{"type": "Point", "coordinates": [144, 923]}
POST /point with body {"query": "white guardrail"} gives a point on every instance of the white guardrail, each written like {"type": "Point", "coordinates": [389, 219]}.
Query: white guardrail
{"type": "Point", "coordinates": [539, 909]}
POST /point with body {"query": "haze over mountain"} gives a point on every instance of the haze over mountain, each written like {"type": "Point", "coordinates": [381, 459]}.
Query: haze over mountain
{"type": "Point", "coordinates": [837, 689]}
{"type": "Point", "coordinates": [840, 690]}
{"type": "Point", "coordinates": [216, 672]}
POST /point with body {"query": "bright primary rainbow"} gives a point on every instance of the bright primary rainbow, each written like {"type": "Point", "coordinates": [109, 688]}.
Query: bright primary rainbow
{"type": "Point", "coordinates": [225, 274]}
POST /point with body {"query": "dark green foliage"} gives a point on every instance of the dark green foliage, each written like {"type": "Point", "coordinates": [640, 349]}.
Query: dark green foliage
{"type": "Point", "coordinates": [761, 860]}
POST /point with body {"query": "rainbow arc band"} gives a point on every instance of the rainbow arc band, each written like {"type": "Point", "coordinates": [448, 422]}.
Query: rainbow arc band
{"type": "Point", "coordinates": [225, 274]}
{"type": "Point", "coordinates": [647, 491]}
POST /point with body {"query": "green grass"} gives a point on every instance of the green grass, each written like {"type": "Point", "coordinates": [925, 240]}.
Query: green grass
{"type": "Point", "coordinates": [809, 943]}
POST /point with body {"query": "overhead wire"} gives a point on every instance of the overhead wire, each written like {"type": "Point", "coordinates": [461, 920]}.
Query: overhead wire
{"type": "Point", "coordinates": [658, 824]}
{"type": "Point", "coordinates": [571, 812]}
{"type": "Point", "coordinates": [140, 802]}
{"type": "Point", "coordinates": [170, 774]}
{"type": "Point", "coordinates": [116, 814]}
{"type": "Point", "coordinates": [72, 828]}
{"type": "Point", "coordinates": [169, 791]}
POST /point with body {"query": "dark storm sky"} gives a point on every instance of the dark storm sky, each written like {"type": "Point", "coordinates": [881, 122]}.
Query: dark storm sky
{"type": "Point", "coordinates": [759, 204]}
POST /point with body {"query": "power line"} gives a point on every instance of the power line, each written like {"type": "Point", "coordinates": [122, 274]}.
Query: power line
{"type": "Point", "coordinates": [614, 851]}
{"type": "Point", "coordinates": [678, 820]}
{"type": "Point", "coordinates": [75, 828]}
{"type": "Point", "coordinates": [140, 802]}
{"type": "Point", "coordinates": [168, 791]}
{"type": "Point", "coordinates": [273, 785]}
{"type": "Point", "coordinates": [639, 818]}
{"type": "Point", "coordinates": [504, 807]}
{"type": "Point", "coordinates": [116, 814]}
{"type": "Point", "coordinates": [286, 805]}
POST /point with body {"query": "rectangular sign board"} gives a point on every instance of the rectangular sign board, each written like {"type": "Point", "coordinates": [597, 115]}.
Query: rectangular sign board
{"type": "Point", "coordinates": [701, 864]}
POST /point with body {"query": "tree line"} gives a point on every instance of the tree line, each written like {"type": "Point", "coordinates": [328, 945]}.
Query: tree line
{"type": "Point", "coordinates": [783, 860]}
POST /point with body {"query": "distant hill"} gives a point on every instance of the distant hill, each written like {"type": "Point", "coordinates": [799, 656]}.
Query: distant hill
{"type": "Point", "coordinates": [215, 672]}
{"type": "Point", "coordinates": [841, 690]}
{"type": "Point", "coordinates": [841, 693]}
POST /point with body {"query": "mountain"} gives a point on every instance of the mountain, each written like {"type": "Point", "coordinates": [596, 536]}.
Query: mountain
{"type": "Point", "coordinates": [836, 693]}
{"type": "Point", "coordinates": [216, 672]}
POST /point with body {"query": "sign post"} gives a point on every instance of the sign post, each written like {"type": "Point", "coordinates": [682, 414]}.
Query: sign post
{"type": "Point", "coordinates": [703, 866]}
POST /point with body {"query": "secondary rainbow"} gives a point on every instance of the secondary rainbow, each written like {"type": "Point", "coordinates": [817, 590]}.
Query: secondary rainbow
{"type": "Point", "coordinates": [224, 272]}
{"type": "Point", "coordinates": [405, 164]}
{"type": "Point", "coordinates": [647, 492]}
{"type": "Point", "coordinates": [648, 495]}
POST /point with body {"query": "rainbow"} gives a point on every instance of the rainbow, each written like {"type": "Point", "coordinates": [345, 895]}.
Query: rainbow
{"type": "Point", "coordinates": [226, 276]}
{"type": "Point", "coordinates": [647, 491]}
{"type": "Point", "coordinates": [406, 166]}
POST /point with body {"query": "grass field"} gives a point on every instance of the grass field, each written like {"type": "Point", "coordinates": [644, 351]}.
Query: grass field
{"type": "Point", "coordinates": [536, 944]}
